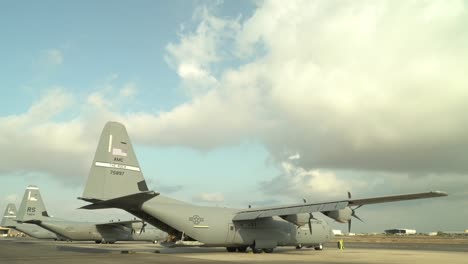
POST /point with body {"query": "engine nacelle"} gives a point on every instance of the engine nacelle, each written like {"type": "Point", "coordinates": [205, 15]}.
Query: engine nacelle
{"type": "Point", "coordinates": [341, 216]}
{"type": "Point", "coordinates": [297, 219]}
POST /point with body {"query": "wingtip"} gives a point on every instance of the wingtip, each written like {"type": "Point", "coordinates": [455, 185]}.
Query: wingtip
{"type": "Point", "coordinates": [440, 193]}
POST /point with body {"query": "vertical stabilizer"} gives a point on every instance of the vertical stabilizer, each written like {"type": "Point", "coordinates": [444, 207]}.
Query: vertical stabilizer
{"type": "Point", "coordinates": [115, 171]}
{"type": "Point", "coordinates": [32, 207]}
{"type": "Point", "coordinates": [9, 216]}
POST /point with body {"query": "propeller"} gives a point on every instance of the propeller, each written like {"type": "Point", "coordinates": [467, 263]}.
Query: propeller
{"type": "Point", "coordinates": [353, 214]}
{"type": "Point", "coordinates": [142, 230]}
{"type": "Point", "coordinates": [310, 218]}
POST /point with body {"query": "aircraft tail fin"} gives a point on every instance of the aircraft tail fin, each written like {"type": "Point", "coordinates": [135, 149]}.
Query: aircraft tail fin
{"type": "Point", "coordinates": [32, 207]}
{"type": "Point", "coordinates": [115, 171]}
{"type": "Point", "coordinates": [9, 216]}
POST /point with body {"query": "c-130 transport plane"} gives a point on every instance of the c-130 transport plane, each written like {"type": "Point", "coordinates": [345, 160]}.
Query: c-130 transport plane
{"type": "Point", "coordinates": [33, 211]}
{"type": "Point", "coordinates": [115, 180]}
{"type": "Point", "coordinates": [9, 220]}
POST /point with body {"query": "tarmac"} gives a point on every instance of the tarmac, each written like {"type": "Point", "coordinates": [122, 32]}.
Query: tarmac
{"type": "Point", "coordinates": [26, 250]}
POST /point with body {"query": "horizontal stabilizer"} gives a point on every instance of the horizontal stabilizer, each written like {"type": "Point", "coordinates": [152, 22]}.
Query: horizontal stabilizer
{"type": "Point", "coordinates": [31, 221]}
{"type": "Point", "coordinates": [131, 201]}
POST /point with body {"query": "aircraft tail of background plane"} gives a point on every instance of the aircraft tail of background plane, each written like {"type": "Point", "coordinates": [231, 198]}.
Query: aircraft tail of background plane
{"type": "Point", "coordinates": [32, 207]}
{"type": "Point", "coordinates": [9, 216]}
{"type": "Point", "coordinates": [115, 171]}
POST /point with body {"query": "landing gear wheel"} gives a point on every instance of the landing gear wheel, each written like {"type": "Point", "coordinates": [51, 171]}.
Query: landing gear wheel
{"type": "Point", "coordinates": [299, 246]}
{"type": "Point", "coordinates": [97, 241]}
{"type": "Point", "coordinates": [242, 249]}
{"type": "Point", "coordinates": [231, 249]}
{"type": "Point", "coordinates": [256, 250]}
{"type": "Point", "coordinates": [319, 247]}
{"type": "Point", "coordinates": [268, 250]}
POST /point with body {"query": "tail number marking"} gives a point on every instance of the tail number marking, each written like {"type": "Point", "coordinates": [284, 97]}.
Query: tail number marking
{"type": "Point", "coordinates": [116, 166]}
{"type": "Point", "coordinates": [31, 210]}
{"type": "Point", "coordinates": [113, 172]}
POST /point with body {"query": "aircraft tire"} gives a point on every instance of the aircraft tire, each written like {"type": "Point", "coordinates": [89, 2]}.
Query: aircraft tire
{"type": "Point", "coordinates": [231, 249]}
{"type": "Point", "coordinates": [242, 249]}
{"type": "Point", "coordinates": [257, 250]}
{"type": "Point", "coordinates": [299, 246]}
{"type": "Point", "coordinates": [319, 247]}
{"type": "Point", "coordinates": [97, 241]}
{"type": "Point", "coordinates": [268, 250]}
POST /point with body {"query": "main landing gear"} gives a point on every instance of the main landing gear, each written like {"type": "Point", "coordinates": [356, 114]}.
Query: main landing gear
{"type": "Point", "coordinates": [254, 250]}
{"type": "Point", "coordinates": [316, 247]}
{"type": "Point", "coordinates": [238, 249]}
{"type": "Point", "coordinates": [260, 250]}
{"type": "Point", "coordinates": [319, 247]}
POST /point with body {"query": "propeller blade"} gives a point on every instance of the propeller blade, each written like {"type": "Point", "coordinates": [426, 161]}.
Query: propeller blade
{"type": "Point", "coordinates": [349, 195]}
{"type": "Point", "coordinates": [357, 217]}
{"type": "Point", "coordinates": [142, 228]}
{"type": "Point", "coordinates": [311, 216]}
{"type": "Point", "coordinates": [353, 214]}
{"type": "Point", "coordinates": [349, 226]}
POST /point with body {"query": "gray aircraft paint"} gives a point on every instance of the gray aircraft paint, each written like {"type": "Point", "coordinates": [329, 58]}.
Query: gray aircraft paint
{"type": "Point", "coordinates": [34, 211]}
{"type": "Point", "coordinates": [116, 181]}
{"type": "Point", "coordinates": [31, 230]}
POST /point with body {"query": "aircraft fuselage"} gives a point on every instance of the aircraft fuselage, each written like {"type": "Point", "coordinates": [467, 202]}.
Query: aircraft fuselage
{"type": "Point", "coordinates": [82, 231]}
{"type": "Point", "coordinates": [35, 231]}
{"type": "Point", "coordinates": [213, 226]}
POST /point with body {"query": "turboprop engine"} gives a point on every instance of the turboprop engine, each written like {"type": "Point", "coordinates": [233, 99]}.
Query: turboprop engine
{"type": "Point", "coordinates": [344, 215]}
{"type": "Point", "coordinates": [297, 219]}
{"type": "Point", "coordinates": [300, 220]}
{"type": "Point", "coordinates": [341, 216]}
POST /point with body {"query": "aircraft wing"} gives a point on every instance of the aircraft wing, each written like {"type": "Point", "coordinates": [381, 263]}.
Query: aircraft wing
{"type": "Point", "coordinates": [251, 214]}
{"type": "Point", "coordinates": [395, 198]}
{"type": "Point", "coordinates": [254, 213]}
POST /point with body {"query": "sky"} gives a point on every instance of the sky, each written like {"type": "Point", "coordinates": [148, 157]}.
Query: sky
{"type": "Point", "coordinates": [237, 103]}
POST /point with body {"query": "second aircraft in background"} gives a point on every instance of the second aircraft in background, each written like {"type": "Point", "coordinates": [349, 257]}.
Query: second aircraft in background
{"type": "Point", "coordinates": [32, 211]}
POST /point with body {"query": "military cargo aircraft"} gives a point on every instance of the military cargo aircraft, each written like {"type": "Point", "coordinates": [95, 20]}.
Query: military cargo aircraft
{"type": "Point", "coordinates": [34, 212]}
{"type": "Point", "coordinates": [9, 220]}
{"type": "Point", "coordinates": [115, 180]}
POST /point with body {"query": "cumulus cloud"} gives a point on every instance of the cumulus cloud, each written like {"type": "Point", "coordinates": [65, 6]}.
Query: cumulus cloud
{"type": "Point", "coordinates": [358, 86]}
{"type": "Point", "coordinates": [302, 183]}
{"type": "Point", "coordinates": [42, 142]}
{"type": "Point", "coordinates": [193, 56]}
